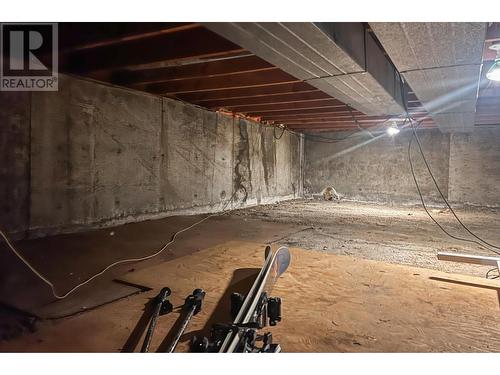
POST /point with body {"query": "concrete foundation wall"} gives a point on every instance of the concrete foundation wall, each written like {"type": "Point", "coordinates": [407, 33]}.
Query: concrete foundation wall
{"type": "Point", "coordinates": [14, 160]}
{"type": "Point", "coordinates": [94, 155]}
{"type": "Point", "coordinates": [466, 167]}
{"type": "Point", "coordinates": [475, 167]}
{"type": "Point", "coordinates": [379, 170]}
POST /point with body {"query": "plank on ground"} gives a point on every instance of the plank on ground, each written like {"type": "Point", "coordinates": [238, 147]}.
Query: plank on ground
{"type": "Point", "coordinates": [338, 303]}
{"type": "Point", "coordinates": [331, 303]}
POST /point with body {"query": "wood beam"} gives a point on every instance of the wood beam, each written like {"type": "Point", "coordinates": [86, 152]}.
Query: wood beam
{"type": "Point", "coordinates": [325, 115]}
{"type": "Point", "coordinates": [302, 112]}
{"type": "Point", "coordinates": [342, 126]}
{"type": "Point", "coordinates": [333, 122]}
{"type": "Point", "coordinates": [290, 97]}
{"type": "Point", "coordinates": [188, 44]}
{"type": "Point", "coordinates": [224, 66]}
{"type": "Point", "coordinates": [332, 119]}
{"type": "Point", "coordinates": [336, 129]}
{"type": "Point", "coordinates": [74, 36]}
{"type": "Point", "coordinates": [295, 106]}
{"type": "Point", "coordinates": [273, 76]}
{"type": "Point", "coordinates": [330, 125]}
{"type": "Point", "coordinates": [250, 92]}
{"type": "Point", "coordinates": [312, 116]}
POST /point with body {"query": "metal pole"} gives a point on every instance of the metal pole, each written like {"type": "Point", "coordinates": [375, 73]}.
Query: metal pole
{"type": "Point", "coordinates": [192, 306]}
{"type": "Point", "coordinates": [162, 306]}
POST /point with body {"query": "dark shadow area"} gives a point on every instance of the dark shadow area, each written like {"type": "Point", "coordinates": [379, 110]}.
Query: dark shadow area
{"type": "Point", "coordinates": [162, 348]}
{"type": "Point", "coordinates": [140, 327]}
{"type": "Point", "coordinates": [497, 289]}
{"type": "Point", "coordinates": [241, 282]}
{"type": "Point", "coordinates": [93, 297]}
{"type": "Point", "coordinates": [15, 322]}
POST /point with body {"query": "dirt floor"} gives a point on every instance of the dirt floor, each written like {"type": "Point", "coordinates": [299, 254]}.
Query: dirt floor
{"type": "Point", "coordinates": [395, 234]}
{"type": "Point", "coordinates": [401, 235]}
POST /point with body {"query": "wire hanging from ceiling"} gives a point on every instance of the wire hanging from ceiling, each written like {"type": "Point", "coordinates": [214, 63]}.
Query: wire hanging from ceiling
{"type": "Point", "coordinates": [485, 244]}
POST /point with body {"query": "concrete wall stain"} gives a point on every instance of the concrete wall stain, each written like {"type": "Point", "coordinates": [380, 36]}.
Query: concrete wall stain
{"type": "Point", "coordinates": [268, 148]}
{"type": "Point", "coordinates": [242, 172]}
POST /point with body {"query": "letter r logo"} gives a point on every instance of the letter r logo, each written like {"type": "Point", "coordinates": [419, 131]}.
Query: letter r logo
{"type": "Point", "coordinates": [18, 51]}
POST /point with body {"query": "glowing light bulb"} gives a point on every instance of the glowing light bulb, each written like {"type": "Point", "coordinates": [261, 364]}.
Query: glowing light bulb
{"type": "Point", "coordinates": [392, 131]}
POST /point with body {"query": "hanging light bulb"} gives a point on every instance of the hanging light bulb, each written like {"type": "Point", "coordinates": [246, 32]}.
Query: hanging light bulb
{"type": "Point", "coordinates": [392, 131]}
{"type": "Point", "coordinates": [493, 73]}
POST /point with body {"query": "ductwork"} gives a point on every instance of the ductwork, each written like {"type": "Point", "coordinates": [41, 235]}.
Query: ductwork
{"type": "Point", "coordinates": [341, 59]}
{"type": "Point", "coordinates": [441, 62]}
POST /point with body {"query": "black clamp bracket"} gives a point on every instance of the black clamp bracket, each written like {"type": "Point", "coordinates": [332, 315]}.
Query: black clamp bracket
{"type": "Point", "coordinates": [194, 300]}
{"type": "Point", "coordinates": [162, 298]}
{"type": "Point", "coordinates": [268, 311]}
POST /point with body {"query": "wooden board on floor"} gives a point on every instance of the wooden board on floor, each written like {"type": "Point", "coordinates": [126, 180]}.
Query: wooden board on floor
{"type": "Point", "coordinates": [331, 303]}
{"type": "Point", "coordinates": [337, 303]}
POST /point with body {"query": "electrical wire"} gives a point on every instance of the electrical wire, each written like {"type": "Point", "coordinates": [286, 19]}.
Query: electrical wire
{"type": "Point", "coordinates": [414, 135]}
{"type": "Point", "coordinates": [355, 120]}
{"type": "Point", "coordinates": [404, 99]}
{"type": "Point", "coordinates": [281, 135]}
{"type": "Point", "coordinates": [492, 277]}
{"type": "Point", "coordinates": [444, 198]}
{"type": "Point", "coordinates": [320, 138]}
{"type": "Point", "coordinates": [129, 260]}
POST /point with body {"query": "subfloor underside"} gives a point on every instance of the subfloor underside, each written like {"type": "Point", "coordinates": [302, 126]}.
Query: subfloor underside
{"type": "Point", "coordinates": [363, 278]}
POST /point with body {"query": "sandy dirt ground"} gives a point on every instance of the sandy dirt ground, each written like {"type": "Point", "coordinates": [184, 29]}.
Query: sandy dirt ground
{"type": "Point", "coordinates": [391, 234]}
{"type": "Point", "coordinates": [395, 234]}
